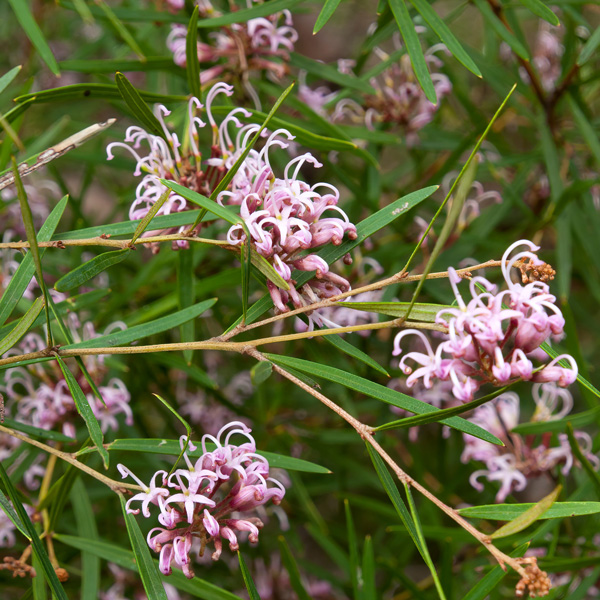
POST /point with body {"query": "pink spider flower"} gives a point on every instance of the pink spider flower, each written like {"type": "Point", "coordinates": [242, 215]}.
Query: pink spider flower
{"type": "Point", "coordinates": [205, 502]}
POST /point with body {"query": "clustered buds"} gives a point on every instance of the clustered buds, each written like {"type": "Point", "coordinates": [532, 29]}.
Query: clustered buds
{"type": "Point", "coordinates": [495, 337]}
{"type": "Point", "coordinates": [520, 458]}
{"type": "Point", "coordinates": [200, 504]}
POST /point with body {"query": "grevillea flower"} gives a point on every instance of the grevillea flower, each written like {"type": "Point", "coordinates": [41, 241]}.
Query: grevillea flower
{"type": "Point", "coordinates": [202, 503]}
{"type": "Point", "coordinates": [520, 459]}
{"type": "Point", "coordinates": [495, 337]}
{"type": "Point", "coordinates": [261, 44]}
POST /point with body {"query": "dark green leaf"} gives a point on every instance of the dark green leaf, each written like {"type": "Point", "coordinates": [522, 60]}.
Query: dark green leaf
{"type": "Point", "coordinates": [559, 425]}
{"type": "Point", "coordinates": [7, 78]}
{"type": "Point", "coordinates": [420, 312]}
{"type": "Point", "coordinates": [380, 392]}
{"type": "Point", "coordinates": [413, 47]}
{"type": "Point", "coordinates": [120, 29]}
{"type": "Point", "coordinates": [327, 11]}
{"type": "Point", "coordinates": [145, 565]}
{"type": "Point", "coordinates": [580, 456]}
{"type": "Point", "coordinates": [352, 549]}
{"type": "Point", "coordinates": [245, 14]}
{"type": "Point", "coordinates": [150, 215]}
{"type": "Point", "coordinates": [103, 65]}
{"type": "Point", "coordinates": [341, 344]}
{"type": "Point", "coordinates": [138, 106]}
{"type": "Point", "coordinates": [88, 270]}
{"type": "Point", "coordinates": [38, 548]}
{"type": "Point", "coordinates": [590, 47]}
{"type": "Point", "coordinates": [586, 129]}
{"type": "Point", "coordinates": [537, 7]}
{"type": "Point", "coordinates": [85, 410]}
{"type": "Point", "coordinates": [289, 562]}
{"type": "Point", "coordinates": [22, 326]}
{"type": "Point", "coordinates": [444, 33]}
{"type": "Point", "coordinates": [20, 280]}
{"type": "Point", "coordinates": [368, 571]}
{"type": "Point", "coordinates": [185, 297]}
{"type": "Point", "coordinates": [250, 587]}
{"type": "Point", "coordinates": [8, 509]}
{"type": "Point", "coordinates": [261, 371]}
{"type": "Point", "coordinates": [508, 512]}
{"type": "Point", "coordinates": [22, 11]}
{"type": "Point", "coordinates": [192, 65]}
{"type": "Point", "coordinates": [45, 434]}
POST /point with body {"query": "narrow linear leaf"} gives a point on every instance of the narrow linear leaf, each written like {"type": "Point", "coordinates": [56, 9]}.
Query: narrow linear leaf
{"type": "Point", "coordinates": [441, 29]}
{"type": "Point", "coordinates": [8, 77]}
{"type": "Point", "coordinates": [537, 7]}
{"type": "Point", "coordinates": [380, 392]}
{"type": "Point", "coordinates": [185, 297]}
{"type": "Point", "coordinates": [326, 13]}
{"type": "Point", "coordinates": [368, 570]}
{"type": "Point", "coordinates": [341, 344]}
{"type": "Point", "coordinates": [84, 12]}
{"type": "Point", "coordinates": [289, 562]}
{"type": "Point", "coordinates": [577, 420]}
{"type": "Point", "coordinates": [23, 326]}
{"type": "Point", "coordinates": [585, 463]}
{"type": "Point", "coordinates": [85, 410]}
{"type": "Point", "coordinates": [44, 434]}
{"type": "Point", "coordinates": [107, 65]}
{"type": "Point", "coordinates": [246, 256]}
{"type": "Point", "coordinates": [248, 581]}
{"type": "Point", "coordinates": [501, 30]}
{"type": "Point", "coordinates": [267, 269]}
{"type": "Point", "coordinates": [245, 14]}
{"type": "Point", "coordinates": [149, 216]}
{"type": "Point", "coordinates": [352, 549]}
{"type": "Point", "coordinates": [121, 29]}
{"type": "Point", "coordinates": [531, 515]}
{"type": "Point", "coordinates": [192, 66]}
{"type": "Point", "coordinates": [590, 47]}
{"type": "Point", "coordinates": [413, 47]}
{"type": "Point", "coordinates": [586, 129]}
{"type": "Point", "coordinates": [420, 311]}
{"type": "Point", "coordinates": [8, 509]}
{"type": "Point", "coordinates": [132, 334]}
{"type": "Point", "coordinates": [38, 548]}
{"type": "Point", "coordinates": [138, 106]}
{"type": "Point", "coordinates": [22, 11]}
{"type": "Point", "coordinates": [492, 579]}
{"type": "Point", "coordinates": [261, 371]}
{"type": "Point", "coordinates": [88, 270]}
{"type": "Point", "coordinates": [146, 566]}
{"type": "Point", "coordinates": [508, 512]}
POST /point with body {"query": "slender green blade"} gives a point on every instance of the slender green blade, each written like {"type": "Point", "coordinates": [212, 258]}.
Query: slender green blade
{"type": "Point", "coordinates": [420, 312]}
{"type": "Point", "coordinates": [246, 255]}
{"type": "Point", "coordinates": [586, 128]}
{"type": "Point", "coordinates": [145, 565]}
{"type": "Point", "coordinates": [192, 66]}
{"type": "Point", "coordinates": [30, 430]}
{"type": "Point", "coordinates": [577, 420]}
{"type": "Point", "coordinates": [352, 549]}
{"type": "Point", "coordinates": [326, 13]}
{"type": "Point", "coordinates": [132, 334]}
{"type": "Point", "coordinates": [22, 326]}
{"type": "Point", "coordinates": [248, 581]}
{"type": "Point", "coordinates": [38, 547]}
{"type": "Point", "coordinates": [22, 11]}
{"type": "Point", "coordinates": [8, 77]}
{"type": "Point", "coordinates": [413, 47]}
{"type": "Point", "coordinates": [8, 509]}
{"type": "Point", "coordinates": [123, 32]}
{"type": "Point", "coordinates": [380, 392]}
{"type": "Point", "coordinates": [347, 348]}
{"type": "Point", "coordinates": [185, 296]}
{"type": "Point", "coordinates": [20, 280]}
{"type": "Point", "coordinates": [444, 33]}
{"type": "Point", "coordinates": [537, 7]}
{"type": "Point", "coordinates": [368, 570]}
{"type": "Point", "coordinates": [508, 512]}
{"type": "Point", "coordinates": [583, 459]}
{"type": "Point", "coordinates": [88, 270]}
{"type": "Point", "coordinates": [590, 47]}
{"type": "Point", "coordinates": [245, 14]}
{"type": "Point", "coordinates": [85, 410]}
{"type": "Point", "coordinates": [108, 65]}
{"type": "Point", "coordinates": [289, 562]}
{"type": "Point", "coordinates": [530, 516]}
{"type": "Point", "coordinates": [150, 215]}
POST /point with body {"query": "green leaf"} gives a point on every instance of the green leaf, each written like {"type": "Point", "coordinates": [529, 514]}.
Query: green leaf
{"type": "Point", "coordinates": [206, 203]}
{"type": "Point", "coordinates": [420, 312]}
{"type": "Point", "coordinates": [85, 410]}
{"type": "Point", "coordinates": [20, 280]}
{"type": "Point", "coordinates": [108, 65]}
{"type": "Point", "coordinates": [559, 425]}
{"type": "Point", "coordinates": [352, 549]}
{"type": "Point", "coordinates": [192, 66]}
{"type": "Point", "coordinates": [125, 559]}
{"type": "Point", "coordinates": [246, 259]}
{"type": "Point", "coordinates": [590, 47]}
{"type": "Point", "coordinates": [248, 581]}
{"type": "Point", "coordinates": [261, 371]}
{"type": "Point", "coordinates": [444, 33]}
{"type": "Point", "coordinates": [364, 230]}
{"type": "Point", "coordinates": [531, 515]}
{"type": "Point", "coordinates": [489, 582]}
{"type": "Point", "coordinates": [86, 528]}
{"type": "Point", "coordinates": [341, 344]}
{"type": "Point", "coordinates": [327, 11]}
{"type": "Point", "coordinates": [172, 448]}
{"type": "Point", "coordinates": [7, 78]}
{"type": "Point", "coordinates": [413, 47]}
{"type": "Point", "coordinates": [380, 392]}
{"type": "Point", "coordinates": [580, 456]}
{"type": "Point", "coordinates": [138, 106]}
{"type": "Point", "coordinates": [22, 326]}
{"type": "Point", "coordinates": [88, 270]}
{"type": "Point", "coordinates": [368, 571]}
{"type": "Point", "coordinates": [245, 14]}
{"type": "Point", "coordinates": [329, 73]}
{"type": "Point", "coordinates": [132, 334]}
{"type": "Point", "coordinates": [150, 215]}
{"type": "Point", "coordinates": [84, 12]}
{"type": "Point", "coordinates": [501, 30]}
{"type": "Point", "coordinates": [586, 129]}
{"type": "Point", "coordinates": [8, 509]}
{"type": "Point", "coordinates": [45, 434]}
{"type": "Point", "coordinates": [145, 565]}
{"type": "Point", "coordinates": [289, 562]}
{"type": "Point", "coordinates": [537, 7]}
{"type": "Point", "coordinates": [120, 29]}
{"type": "Point", "coordinates": [186, 297]}
{"type": "Point", "coordinates": [22, 11]}
{"type": "Point", "coordinates": [38, 548]}
{"type": "Point", "coordinates": [508, 512]}
{"type": "Point", "coordinates": [266, 268]}
{"type": "Point", "coordinates": [98, 91]}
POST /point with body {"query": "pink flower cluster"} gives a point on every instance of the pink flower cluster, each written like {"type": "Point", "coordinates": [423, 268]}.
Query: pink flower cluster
{"type": "Point", "coordinates": [496, 336]}
{"type": "Point", "coordinates": [200, 504]}
{"type": "Point", "coordinates": [238, 48]}
{"type": "Point", "coordinates": [519, 459]}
